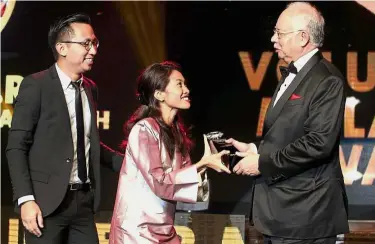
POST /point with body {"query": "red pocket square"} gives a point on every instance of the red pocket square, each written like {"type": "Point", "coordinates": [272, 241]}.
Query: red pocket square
{"type": "Point", "coordinates": [294, 97]}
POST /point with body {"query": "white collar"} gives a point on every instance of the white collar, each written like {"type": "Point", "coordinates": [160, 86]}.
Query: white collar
{"type": "Point", "coordinates": [304, 59]}
{"type": "Point", "coordinates": [64, 78]}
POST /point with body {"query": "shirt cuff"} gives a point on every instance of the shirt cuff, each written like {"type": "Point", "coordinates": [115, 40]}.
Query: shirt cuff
{"type": "Point", "coordinates": [25, 199]}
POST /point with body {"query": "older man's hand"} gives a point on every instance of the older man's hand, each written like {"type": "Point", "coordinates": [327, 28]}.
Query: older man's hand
{"type": "Point", "coordinates": [249, 165]}
{"type": "Point", "coordinates": [242, 146]}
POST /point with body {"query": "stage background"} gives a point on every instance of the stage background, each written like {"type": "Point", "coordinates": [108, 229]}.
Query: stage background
{"type": "Point", "coordinates": [226, 55]}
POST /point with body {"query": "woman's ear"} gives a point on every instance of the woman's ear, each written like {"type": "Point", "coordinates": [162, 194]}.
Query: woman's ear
{"type": "Point", "coordinates": [159, 95]}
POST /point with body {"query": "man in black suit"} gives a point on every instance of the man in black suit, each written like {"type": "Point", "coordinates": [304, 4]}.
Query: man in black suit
{"type": "Point", "coordinates": [54, 151]}
{"type": "Point", "coordinates": [299, 193]}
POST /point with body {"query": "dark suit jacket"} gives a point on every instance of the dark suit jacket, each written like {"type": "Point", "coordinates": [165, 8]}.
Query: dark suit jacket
{"type": "Point", "coordinates": [301, 192]}
{"type": "Point", "coordinates": [40, 145]}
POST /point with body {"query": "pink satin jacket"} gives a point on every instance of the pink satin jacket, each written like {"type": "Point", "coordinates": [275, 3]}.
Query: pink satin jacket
{"type": "Point", "coordinates": [149, 187]}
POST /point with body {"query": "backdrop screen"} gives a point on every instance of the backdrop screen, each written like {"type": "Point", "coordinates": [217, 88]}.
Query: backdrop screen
{"type": "Point", "coordinates": [226, 55]}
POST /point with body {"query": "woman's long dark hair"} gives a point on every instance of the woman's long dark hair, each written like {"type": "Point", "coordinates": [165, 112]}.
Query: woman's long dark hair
{"type": "Point", "coordinates": [156, 77]}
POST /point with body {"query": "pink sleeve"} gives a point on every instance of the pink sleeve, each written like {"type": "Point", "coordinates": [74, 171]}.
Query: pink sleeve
{"type": "Point", "coordinates": [178, 185]}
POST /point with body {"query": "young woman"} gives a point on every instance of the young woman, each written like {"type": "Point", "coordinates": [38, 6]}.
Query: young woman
{"type": "Point", "coordinates": [157, 171]}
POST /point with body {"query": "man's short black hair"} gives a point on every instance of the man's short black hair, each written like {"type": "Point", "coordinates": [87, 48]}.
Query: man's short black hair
{"type": "Point", "coordinates": [61, 29]}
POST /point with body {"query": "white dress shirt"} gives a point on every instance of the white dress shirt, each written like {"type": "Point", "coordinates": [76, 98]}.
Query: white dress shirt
{"type": "Point", "coordinates": [69, 92]}
{"type": "Point", "coordinates": [299, 65]}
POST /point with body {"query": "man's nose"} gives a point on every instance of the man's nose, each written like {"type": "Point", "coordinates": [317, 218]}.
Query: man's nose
{"type": "Point", "coordinates": [93, 50]}
{"type": "Point", "coordinates": [274, 37]}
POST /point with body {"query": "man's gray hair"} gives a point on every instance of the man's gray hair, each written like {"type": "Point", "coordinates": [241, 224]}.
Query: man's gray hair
{"type": "Point", "coordinates": [315, 21]}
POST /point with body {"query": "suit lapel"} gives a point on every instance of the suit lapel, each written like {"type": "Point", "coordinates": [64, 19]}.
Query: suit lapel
{"type": "Point", "coordinates": [274, 112]}
{"type": "Point", "coordinates": [270, 106]}
{"type": "Point", "coordinates": [59, 91]}
{"type": "Point", "coordinates": [92, 106]}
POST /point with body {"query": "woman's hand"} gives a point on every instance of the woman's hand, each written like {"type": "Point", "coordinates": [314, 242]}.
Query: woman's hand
{"type": "Point", "coordinates": [215, 162]}
{"type": "Point", "coordinates": [211, 160]}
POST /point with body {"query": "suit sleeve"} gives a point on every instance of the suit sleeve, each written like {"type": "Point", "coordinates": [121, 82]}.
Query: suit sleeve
{"type": "Point", "coordinates": [110, 158]}
{"type": "Point", "coordinates": [322, 131]}
{"type": "Point", "coordinates": [21, 136]}
{"type": "Point", "coordinates": [178, 185]}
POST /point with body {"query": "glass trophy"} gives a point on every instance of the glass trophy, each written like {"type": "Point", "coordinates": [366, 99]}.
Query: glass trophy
{"type": "Point", "coordinates": [217, 143]}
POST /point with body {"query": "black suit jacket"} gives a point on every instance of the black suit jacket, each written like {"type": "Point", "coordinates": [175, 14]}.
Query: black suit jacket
{"type": "Point", "coordinates": [40, 145]}
{"type": "Point", "coordinates": [300, 193]}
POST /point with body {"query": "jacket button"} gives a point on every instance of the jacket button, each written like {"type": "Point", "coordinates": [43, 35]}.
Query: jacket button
{"type": "Point", "coordinates": [68, 160]}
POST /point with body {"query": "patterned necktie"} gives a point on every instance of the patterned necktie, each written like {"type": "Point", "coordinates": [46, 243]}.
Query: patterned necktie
{"type": "Point", "coordinates": [81, 157]}
{"type": "Point", "coordinates": [286, 70]}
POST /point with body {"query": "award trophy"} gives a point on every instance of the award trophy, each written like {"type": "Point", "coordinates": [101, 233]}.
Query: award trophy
{"type": "Point", "coordinates": [217, 144]}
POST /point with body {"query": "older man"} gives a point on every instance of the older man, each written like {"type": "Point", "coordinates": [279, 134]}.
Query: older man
{"type": "Point", "coordinates": [299, 194]}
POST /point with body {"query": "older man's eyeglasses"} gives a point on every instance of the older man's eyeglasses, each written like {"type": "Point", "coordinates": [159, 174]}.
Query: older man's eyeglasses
{"type": "Point", "coordinates": [88, 44]}
{"type": "Point", "coordinates": [281, 34]}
